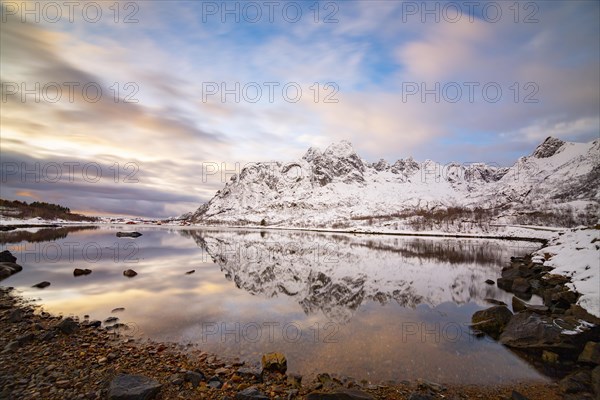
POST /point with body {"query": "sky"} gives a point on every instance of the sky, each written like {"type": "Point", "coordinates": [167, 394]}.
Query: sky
{"type": "Point", "coordinates": [140, 107]}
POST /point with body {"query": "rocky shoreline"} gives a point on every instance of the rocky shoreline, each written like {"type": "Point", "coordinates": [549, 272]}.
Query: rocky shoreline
{"type": "Point", "coordinates": [559, 338]}
{"type": "Point", "coordinates": [64, 358]}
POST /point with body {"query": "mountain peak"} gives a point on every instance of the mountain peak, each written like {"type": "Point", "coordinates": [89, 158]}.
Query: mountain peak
{"type": "Point", "coordinates": [342, 149]}
{"type": "Point", "coordinates": [548, 147]}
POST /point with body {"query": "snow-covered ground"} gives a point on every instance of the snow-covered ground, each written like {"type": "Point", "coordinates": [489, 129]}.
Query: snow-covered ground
{"type": "Point", "coordinates": [576, 254]}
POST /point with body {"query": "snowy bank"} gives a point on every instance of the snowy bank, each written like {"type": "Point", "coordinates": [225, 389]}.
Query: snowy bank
{"type": "Point", "coordinates": [576, 254]}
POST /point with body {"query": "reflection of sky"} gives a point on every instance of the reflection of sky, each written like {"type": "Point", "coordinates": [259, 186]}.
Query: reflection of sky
{"type": "Point", "coordinates": [379, 341]}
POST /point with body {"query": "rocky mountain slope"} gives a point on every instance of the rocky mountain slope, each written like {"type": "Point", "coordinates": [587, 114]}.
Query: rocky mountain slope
{"type": "Point", "coordinates": [557, 185]}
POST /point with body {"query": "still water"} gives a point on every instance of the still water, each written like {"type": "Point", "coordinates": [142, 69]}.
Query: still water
{"type": "Point", "coordinates": [367, 306]}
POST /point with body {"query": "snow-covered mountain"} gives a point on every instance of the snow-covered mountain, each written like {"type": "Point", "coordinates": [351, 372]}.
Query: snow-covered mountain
{"type": "Point", "coordinates": [337, 188]}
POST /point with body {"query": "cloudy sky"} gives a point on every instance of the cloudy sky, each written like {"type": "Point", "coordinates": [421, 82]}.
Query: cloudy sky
{"type": "Point", "coordinates": [116, 109]}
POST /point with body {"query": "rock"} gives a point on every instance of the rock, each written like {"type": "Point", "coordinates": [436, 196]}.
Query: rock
{"type": "Point", "coordinates": [111, 320]}
{"type": "Point", "coordinates": [8, 268]}
{"type": "Point", "coordinates": [190, 272]}
{"type": "Point", "coordinates": [346, 394]}
{"type": "Point", "coordinates": [549, 357]}
{"type": "Point", "coordinates": [580, 313]}
{"type": "Point", "coordinates": [590, 353]}
{"type": "Point", "coordinates": [42, 285]}
{"type": "Point", "coordinates": [553, 280]}
{"type": "Point", "coordinates": [489, 282]}
{"type": "Point", "coordinates": [492, 320]}
{"type": "Point", "coordinates": [251, 373]}
{"type": "Point", "coordinates": [526, 330]}
{"type": "Point", "coordinates": [511, 273]}
{"type": "Point", "coordinates": [133, 387]}
{"type": "Point", "coordinates": [194, 377]}
{"type": "Point", "coordinates": [80, 272]}
{"type": "Point", "coordinates": [15, 315]}
{"type": "Point", "coordinates": [251, 393]}
{"type": "Point", "coordinates": [564, 298]}
{"type": "Point", "coordinates": [118, 309]}
{"type": "Point", "coordinates": [517, 396]}
{"type": "Point", "coordinates": [129, 234]}
{"type": "Point", "coordinates": [274, 362]}
{"type": "Point", "coordinates": [67, 326]}
{"type": "Point", "coordinates": [518, 305]}
{"type": "Point", "coordinates": [504, 284]}
{"type": "Point", "coordinates": [495, 302]}
{"type": "Point", "coordinates": [521, 285]}
{"type": "Point", "coordinates": [576, 382]}
{"type": "Point", "coordinates": [434, 387]}
{"type": "Point", "coordinates": [215, 382]}
{"type": "Point", "coordinates": [6, 256]}
{"type": "Point", "coordinates": [596, 380]}
{"type": "Point", "coordinates": [294, 380]}
{"type": "Point", "coordinates": [129, 273]}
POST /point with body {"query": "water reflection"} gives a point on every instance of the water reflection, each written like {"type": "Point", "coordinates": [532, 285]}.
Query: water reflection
{"type": "Point", "coordinates": [373, 307]}
{"type": "Point", "coordinates": [37, 235]}
{"type": "Point", "coordinates": [335, 274]}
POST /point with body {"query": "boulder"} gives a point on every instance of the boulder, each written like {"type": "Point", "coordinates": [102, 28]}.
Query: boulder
{"type": "Point", "coordinates": [518, 305]}
{"type": "Point", "coordinates": [194, 377]}
{"type": "Point", "coordinates": [6, 256]}
{"type": "Point", "coordinates": [489, 281]}
{"type": "Point", "coordinates": [504, 284]}
{"type": "Point", "coordinates": [133, 387]}
{"type": "Point", "coordinates": [67, 326]}
{"type": "Point", "coordinates": [531, 331]}
{"type": "Point", "coordinates": [491, 320]}
{"type": "Point", "coordinates": [8, 268]}
{"type": "Point", "coordinates": [521, 285]}
{"type": "Point", "coordinates": [576, 382]}
{"type": "Point", "coordinates": [590, 353]}
{"type": "Point", "coordinates": [274, 362]}
{"type": "Point", "coordinates": [596, 380]}
{"type": "Point", "coordinates": [42, 285]}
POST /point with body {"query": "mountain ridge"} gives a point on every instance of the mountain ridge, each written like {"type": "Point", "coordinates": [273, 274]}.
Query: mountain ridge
{"type": "Point", "coordinates": [337, 187]}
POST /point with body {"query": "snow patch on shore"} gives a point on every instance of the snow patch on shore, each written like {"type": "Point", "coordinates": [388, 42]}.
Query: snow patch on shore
{"type": "Point", "coordinates": [576, 254]}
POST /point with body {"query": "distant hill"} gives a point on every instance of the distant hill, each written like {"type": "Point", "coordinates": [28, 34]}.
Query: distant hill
{"type": "Point", "coordinates": [47, 211]}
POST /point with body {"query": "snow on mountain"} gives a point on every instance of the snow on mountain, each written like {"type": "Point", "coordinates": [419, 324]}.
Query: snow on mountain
{"type": "Point", "coordinates": [337, 188]}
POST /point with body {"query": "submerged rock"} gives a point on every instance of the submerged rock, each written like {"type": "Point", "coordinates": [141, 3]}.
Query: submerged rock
{"type": "Point", "coordinates": [129, 234]}
{"type": "Point", "coordinates": [80, 272]}
{"type": "Point", "coordinates": [129, 273]}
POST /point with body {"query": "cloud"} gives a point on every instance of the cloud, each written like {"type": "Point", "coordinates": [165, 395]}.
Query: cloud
{"type": "Point", "coordinates": [372, 52]}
